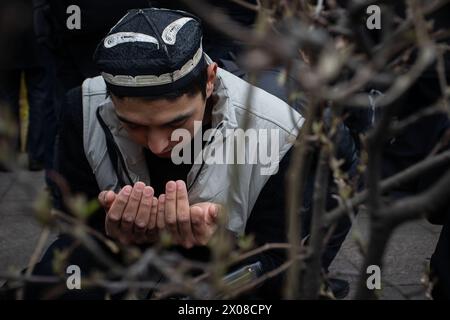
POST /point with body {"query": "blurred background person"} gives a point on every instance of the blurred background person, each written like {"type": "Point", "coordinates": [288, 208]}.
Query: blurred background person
{"type": "Point", "coordinates": [26, 58]}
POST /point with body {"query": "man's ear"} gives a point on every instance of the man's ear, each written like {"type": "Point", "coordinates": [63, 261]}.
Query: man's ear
{"type": "Point", "coordinates": [212, 73]}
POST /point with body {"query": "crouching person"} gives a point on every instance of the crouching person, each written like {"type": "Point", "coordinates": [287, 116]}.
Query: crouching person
{"type": "Point", "coordinates": [169, 142]}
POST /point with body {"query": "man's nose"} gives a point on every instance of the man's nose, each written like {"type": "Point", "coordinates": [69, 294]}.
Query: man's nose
{"type": "Point", "coordinates": [157, 141]}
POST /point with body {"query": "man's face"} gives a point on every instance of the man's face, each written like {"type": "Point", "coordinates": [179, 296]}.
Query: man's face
{"type": "Point", "coordinates": [150, 123]}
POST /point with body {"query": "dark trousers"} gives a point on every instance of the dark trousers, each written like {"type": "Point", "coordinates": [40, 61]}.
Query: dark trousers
{"type": "Point", "coordinates": [40, 99]}
{"type": "Point", "coordinates": [40, 80]}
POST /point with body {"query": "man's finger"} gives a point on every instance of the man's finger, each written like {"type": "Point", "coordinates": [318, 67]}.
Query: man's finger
{"type": "Point", "coordinates": [170, 211]}
{"type": "Point", "coordinates": [143, 214]}
{"type": "Point", "coordinates": [112, 225]}
{"type": "Point", "coordinates": [183, 216]}
{"type": "Point", "coordinates": [112, 228]}
{"type": "Point", "coordinates": [153, 215]}
{"type": "Point", "coordinates": [101, 198]}
{"type": "Point", "coordinates": [109, 198]}
{"type": "Point", "coordinates": [212, 217]}
{"type": "Point", "coordinates": [198, 225]}
{"type": "Point", "coordinates": [160, 221]}
{"type": "Point", "coordinates": [119, 204]}
{"type": "Point", "coordinates": [131, 209]}
{"type": "Point", "coordinates": [106, 198]}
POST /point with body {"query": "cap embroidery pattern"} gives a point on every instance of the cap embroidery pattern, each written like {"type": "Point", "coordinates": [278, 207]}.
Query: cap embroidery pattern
{"type": "Point", "coordinates": [169, 34]}
{"type": "Point", "coordinates": [124, 37]}
{"type": "Point", "coordinates": [154, 80]}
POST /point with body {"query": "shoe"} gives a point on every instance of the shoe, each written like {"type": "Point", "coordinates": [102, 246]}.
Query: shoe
{"type": "Point", "coordinates": [339, 287]}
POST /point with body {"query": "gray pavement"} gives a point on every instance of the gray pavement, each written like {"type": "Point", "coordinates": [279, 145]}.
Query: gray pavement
{"type": "Point", "coordinates": [405, 261]}
{"type": "Point", "coordinates": [19, 230]}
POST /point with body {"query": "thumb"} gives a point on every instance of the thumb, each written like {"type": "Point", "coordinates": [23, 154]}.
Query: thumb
{"type": "Point", "coordinates": [106, 198]}
{"type": "Point", "coordinates": [198, 224]}
{"type": "Point", "coordinates": [197, 217]}
{"type": "Point", "coordinates": [110, 197]}
{"type": "Point", "coordinates": [212, 214]}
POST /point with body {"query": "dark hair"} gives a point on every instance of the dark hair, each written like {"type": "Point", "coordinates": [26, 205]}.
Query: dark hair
{"type": "Point", "coordinates": [197, 85]}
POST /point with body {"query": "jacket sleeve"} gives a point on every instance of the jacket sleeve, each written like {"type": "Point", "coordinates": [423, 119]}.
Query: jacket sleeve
{"type": "Point", "coordinates": [70, 160]}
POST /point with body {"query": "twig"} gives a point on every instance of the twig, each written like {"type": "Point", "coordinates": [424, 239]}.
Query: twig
{"type": "Point", "coordinates": [296, 177]}
{"type": "Point", "coordinates": [254, 7]}
{"type": "Point", "coordinates": [390, 183]}
{"type": "Point", "coordinates": [35, 257]}
{"type": "Point", "coordinates": [310, 277]}
{"type": "Point", "coordinates": [398, 127]}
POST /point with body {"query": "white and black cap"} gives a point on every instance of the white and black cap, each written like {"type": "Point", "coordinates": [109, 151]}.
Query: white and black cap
{"type": "Point", "coordinates": [151, 52]}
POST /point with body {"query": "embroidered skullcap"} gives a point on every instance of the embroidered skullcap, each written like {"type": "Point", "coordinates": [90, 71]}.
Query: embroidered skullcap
{"type": "Point", "coordinates": [150, 52]}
